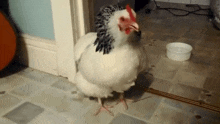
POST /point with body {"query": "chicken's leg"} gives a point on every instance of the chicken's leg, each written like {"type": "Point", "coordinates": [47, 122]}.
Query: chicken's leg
{"type": "Point", "coordinates": [103, 108]}
{"type": "Point", "coordinates": [123, 100]}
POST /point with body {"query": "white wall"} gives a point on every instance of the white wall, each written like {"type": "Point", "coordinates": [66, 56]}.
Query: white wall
{"type": "Point", "coordinates": [33, 17]}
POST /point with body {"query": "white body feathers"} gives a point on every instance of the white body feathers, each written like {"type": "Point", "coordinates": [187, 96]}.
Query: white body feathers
{"type": "Point", "coordinates": [98, 75]}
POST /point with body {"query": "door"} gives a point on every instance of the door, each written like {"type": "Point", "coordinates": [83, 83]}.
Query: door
{"type": "Point", "coordinates": [68, 27]}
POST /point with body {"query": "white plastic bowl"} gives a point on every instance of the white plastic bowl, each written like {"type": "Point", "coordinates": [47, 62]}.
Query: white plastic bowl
{"type": "Point", "coordinates": [178, 51]}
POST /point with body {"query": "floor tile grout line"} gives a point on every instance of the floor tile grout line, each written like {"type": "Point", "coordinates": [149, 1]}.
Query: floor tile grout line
{"type": "Point", "coordinates": [38, 84]}
{"type": "Point", "coordinates": [28, 99]}
{"type": "Point", "coordinates": [8, 120]}
{"type": "Point", "coordinates": [50, 85]}
{"type": "Point", "coordinates": [136, 117]}
{"type": "Point", "coordinates": [38, 104]}
{"type": "Point", "coordinates": [145, 120]}
{"type": "Point", "coordinates": [50, 108]}
{"type": "Point", "coordinates": [12, 108]}
{"type": "Point", "coordinates": [27, 96]}
{"type": "Point", "coordinates": [175, 108]}
{"type": "Point", "coordinates": [34, 94]}
{"type": "Point", "coordinates": [16, 86]}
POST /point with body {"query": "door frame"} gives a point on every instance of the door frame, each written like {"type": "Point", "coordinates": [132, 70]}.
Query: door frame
{"type": "Point", "coordinates": [69, 25]}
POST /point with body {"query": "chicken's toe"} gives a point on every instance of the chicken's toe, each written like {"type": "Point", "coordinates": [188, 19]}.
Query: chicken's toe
{"type": "Point", "coordinates": [104, 108]}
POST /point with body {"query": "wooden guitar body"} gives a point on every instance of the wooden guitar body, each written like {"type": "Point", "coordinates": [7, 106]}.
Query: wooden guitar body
{"type": "Point", "coordinates": [7, 41]}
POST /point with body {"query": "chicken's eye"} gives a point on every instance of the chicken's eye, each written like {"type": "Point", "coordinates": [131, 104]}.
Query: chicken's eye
{"type": "Point", "coordinates": [122, 19]}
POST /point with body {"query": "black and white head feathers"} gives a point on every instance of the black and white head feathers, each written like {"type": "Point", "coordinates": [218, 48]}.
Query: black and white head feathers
{"type": "Point", "coordinates": [104, 38]}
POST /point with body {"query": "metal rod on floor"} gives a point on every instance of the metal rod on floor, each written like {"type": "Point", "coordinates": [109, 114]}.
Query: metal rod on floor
{"type": "Point", "coordinates": [182, 99]}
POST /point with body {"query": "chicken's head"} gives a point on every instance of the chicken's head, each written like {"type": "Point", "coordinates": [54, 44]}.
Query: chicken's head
{"type": "Point", "coordinates": [114, 25]}
{"type": "Point", "coordinates": [127, 21]}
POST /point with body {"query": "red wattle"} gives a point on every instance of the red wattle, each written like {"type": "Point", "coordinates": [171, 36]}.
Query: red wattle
{"type": "Point", "coordinates": [127, 31]}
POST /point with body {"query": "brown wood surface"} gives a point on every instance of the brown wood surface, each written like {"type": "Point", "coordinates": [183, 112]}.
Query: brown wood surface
{"type": "Point", "coordinates": [7, 41]}
{"type": "Point", "coordinates": [182, 99]}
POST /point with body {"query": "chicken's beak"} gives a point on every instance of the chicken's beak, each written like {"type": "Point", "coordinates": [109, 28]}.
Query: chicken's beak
{"type": "Point", "coordinates": [134, 26]}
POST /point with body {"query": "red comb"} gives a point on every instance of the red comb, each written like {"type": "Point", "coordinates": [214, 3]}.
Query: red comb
{"type": "Point", "coordinates": [128, 8]}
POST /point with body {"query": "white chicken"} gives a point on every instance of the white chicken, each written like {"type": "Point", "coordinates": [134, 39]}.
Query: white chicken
{"type": "Point", "coordinates": [110, 59]}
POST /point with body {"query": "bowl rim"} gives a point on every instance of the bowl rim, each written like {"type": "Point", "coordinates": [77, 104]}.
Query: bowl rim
{"type": "Point", "coordinates": [185, 44]}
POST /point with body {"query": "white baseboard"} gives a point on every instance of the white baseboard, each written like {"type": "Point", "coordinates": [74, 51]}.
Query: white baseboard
{"type": "Point", "coordinates": [37, 53]}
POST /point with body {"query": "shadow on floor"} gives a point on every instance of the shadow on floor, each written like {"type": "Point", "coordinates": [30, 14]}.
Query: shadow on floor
{"type": "Point", "coordinates": [144, 80]}
{"type": "Point", "coordinates": [11, 69]}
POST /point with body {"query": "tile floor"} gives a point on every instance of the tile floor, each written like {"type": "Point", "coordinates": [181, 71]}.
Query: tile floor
{"type": "Point", "coordinates": [190, 78]}
{"type": "Point", "coordinates": [28, 96]}
{"type": "Point", "coordinates": [48, 99]}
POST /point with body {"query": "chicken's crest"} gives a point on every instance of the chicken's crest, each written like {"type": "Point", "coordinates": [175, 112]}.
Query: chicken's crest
{"type": "Point", "coordinates": [104, 39]}
{"type": "Point", "coordinates": [128, 8]}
